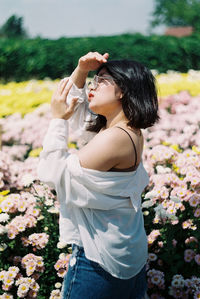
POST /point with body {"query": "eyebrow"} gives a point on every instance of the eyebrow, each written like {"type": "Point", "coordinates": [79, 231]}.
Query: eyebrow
{"type": "Point", "coordinates": [105, 75]}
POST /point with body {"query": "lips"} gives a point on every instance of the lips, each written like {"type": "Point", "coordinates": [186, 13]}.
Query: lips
{"type": "Point", "coordinates": [90, 96]}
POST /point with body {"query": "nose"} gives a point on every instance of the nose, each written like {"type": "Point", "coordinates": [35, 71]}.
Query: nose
{"type": "Point", "coordinates": [92, 85]}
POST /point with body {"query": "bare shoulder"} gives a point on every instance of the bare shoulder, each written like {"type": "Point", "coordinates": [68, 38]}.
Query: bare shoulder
{"type": "Point", "coordinates": [103, 152]}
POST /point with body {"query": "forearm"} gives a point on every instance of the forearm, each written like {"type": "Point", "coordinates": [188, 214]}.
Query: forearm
{"type": "Point", "coordinates": [79, 77]}
{"type": "Point", "coordinates": [87, 63]}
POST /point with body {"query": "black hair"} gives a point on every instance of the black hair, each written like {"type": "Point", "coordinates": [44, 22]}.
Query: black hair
{"type": "Point", "coordinates": [139, 101]}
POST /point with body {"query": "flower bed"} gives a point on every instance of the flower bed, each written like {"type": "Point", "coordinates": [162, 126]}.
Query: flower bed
{"type": "Point", "coordinates": [24, 97]}
{"type": "Point", "coordinates": [31, 253]}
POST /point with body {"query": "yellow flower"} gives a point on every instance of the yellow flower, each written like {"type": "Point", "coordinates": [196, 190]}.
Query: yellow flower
{"type": "Point", "coordinates": [196, 149]}
{"type": "Point", "coordinates": [176, 148]}
{"type": "Point", "coordinates": [175, 168]}
{"type": "Point", "coordinates": [24, 97]}
{"type": "Point", "coordinates": [172, 83]}
{"type": "Point", "coordinates": [3, 197]}
{"type": "Point", "coordinates": [4, 192]}
{"type": "Point", "coordinates": [165, 143]}
{"type": "Point", "coordinates": [72, 145]}
{"type": "Point", "coordinates": [35, 152]}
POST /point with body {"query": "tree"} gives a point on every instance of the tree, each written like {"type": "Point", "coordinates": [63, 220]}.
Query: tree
{"type": "Point", "coordinates": [177, 13]}
{"type": "Point", "coordinates": [13, 28]}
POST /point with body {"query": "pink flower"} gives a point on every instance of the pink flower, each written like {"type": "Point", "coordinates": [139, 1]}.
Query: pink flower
{"type": "Point", "coordinates": [38, 240]}
{"type": "Point", "coordinates": [197, 259]}
{"type": "Point", "coordinates": [194, 200]}
{"type": "Point", "coordinates": [156, 277]}
{"type": "Point", "coordinates": [187, 224]}
{"type": "Point", "coordinates": [197, 213]}
{"type": "Point", "coordinates": [153, 236]}
{"type": "Point", "coordinates": [152, 257]}
{"type": "Point", "coordinates": [32, 263]}
{"type": "Point", "coordinates": [197, 294]}
{"type": "Point", "coordinates": [189, 255]}
{"type": "Point", "coordinates": [190, 240]}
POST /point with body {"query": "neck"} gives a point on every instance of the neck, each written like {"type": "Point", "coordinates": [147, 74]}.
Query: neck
{"type": "Point", "coordinates": [116, 119]}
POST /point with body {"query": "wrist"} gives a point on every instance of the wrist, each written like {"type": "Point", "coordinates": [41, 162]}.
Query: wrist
{"type": "Point", "coordinates": [79, 76]}
{"type": "Point", "coordinates": [82, 71]}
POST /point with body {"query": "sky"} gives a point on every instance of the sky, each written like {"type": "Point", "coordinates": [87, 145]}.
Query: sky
{"type": "Point", "coordinates": [71, 18]}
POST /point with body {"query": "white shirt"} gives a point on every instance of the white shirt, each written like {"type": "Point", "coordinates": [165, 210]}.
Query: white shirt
{"type": "Point", "coordinates": [99, 210]}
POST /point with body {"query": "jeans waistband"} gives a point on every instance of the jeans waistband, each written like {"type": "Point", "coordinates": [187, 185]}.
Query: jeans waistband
{"type": "Point", "coordinates": [76, 248]}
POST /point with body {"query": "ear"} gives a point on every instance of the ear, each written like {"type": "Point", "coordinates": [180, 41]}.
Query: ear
{"type": "Point", "coordinates": [119, 93]}
{"type": "Point", "coordinates": [121, 96]}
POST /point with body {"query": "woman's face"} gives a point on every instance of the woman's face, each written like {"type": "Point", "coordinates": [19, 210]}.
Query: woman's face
{"type": "Point", "coordinates": [104, 95]}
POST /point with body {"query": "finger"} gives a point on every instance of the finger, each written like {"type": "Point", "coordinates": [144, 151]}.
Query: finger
{"type": "Point", "coordinates": [67, 87]}
{"type": "Point", "coordinates": [72, 105]}
{"type": "Point", "coordinates": [59, 88]}
{"type": "Point", "coordinates": [100, 58]}
{"type": "Point", "coordinates": [64, 84]}
{"type": "Point", "coordinates": [106, 55]}
{"type": "Point", "coordinates": [61, 83]}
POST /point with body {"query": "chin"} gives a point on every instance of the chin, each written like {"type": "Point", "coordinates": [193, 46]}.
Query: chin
{"type": "Point", "coordinates": [93, 108]}
{"type": "Point", "coordinates": [97, 109]}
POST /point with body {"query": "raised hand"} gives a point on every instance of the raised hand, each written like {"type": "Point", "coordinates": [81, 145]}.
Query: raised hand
{"type": "Point", "coordinates": [91, 61]}
{"type": "Point", "coordinates": [59, 108]}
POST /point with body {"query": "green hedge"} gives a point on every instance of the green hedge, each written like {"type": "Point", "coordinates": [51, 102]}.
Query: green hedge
{"type": "Point", "coordinates": [40, 58]}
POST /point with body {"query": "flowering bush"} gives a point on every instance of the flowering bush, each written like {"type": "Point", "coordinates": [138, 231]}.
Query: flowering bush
{"type": "Point", "coordinates": [171, 204]}
{"type": "Point", "coordinates": [29, 243]}
{"type": "Point", "coordinates": [30, 251]}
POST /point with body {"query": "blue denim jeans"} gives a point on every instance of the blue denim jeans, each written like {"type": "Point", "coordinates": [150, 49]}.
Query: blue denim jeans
{"type": "Point", "coordinates": [85, 279]}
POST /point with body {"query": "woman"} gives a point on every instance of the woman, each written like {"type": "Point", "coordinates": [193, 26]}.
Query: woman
{"type": "Point", "coordinates": [99, 188]}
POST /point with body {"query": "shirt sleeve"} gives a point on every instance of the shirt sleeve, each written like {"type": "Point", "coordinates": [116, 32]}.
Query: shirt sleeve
{"type": "Point", "coordinates": [53, 158]}
{"type": "Point", "coordinates": [81, 117]}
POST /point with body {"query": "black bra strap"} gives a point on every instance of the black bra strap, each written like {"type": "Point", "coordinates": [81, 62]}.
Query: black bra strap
{"type": "Point", "coordinates": [132, 143]}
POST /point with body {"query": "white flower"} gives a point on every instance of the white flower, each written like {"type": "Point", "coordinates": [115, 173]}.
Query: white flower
{"type": "Point", "coordinates": [62, 256]}
{"type": "Point", "coordinates": [61, 244]}
{"type": "Point", "coordinates": [178, 283]}
{"type": "Point", "coordinates": [48, 202]}
{"type": "Point", "coordinates": [3, 229]}
{"type": "Point", "coordinates": [150, 194]}
{"type": "Point", "coordinates": [58, 285]}
{"type": "Point", "coordinates": [13, 269]}
{"type": "Point", "coordinates": [4, 217]}
{"type": "Point", "coordinates": [6, 296]}
{"type": "Point", "coordinates": [172, 217]}
{"type": "Point", "coordinates": [156, 279]}
{"type": "Point", "coordinates": [160, 211]}
{"type": "Point", "coordinates": [53, 210]}
{"type": "Point", "coordinates": [160, 169]}
{"type": "Point", "coordinates": [27, 179]}
{"type": "Point", "coordinates": [22, 289]}
{"type": "Point", "coordinates": [146, 213]}
{"type": "Point", "coordinates": [175, 199]}
{"type": "Point", "coordinates": [3, 246]}
{"type": "Point", "coordinates": [152, 257]}
{"type": "Point", "coordinates": [178, 276]}
{"type": "Point", "coordinates": [35, 287]}
{"type": "Point", "coordinates": [2, 275]}
{"type": "Point", "coordinates": [147, 203]}
{"type": "Point", "coordinates": [55, 294]}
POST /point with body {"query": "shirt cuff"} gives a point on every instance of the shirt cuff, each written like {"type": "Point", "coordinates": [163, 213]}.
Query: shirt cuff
{"type": "Point", "coordinates": [57, 135]}
{"type": "Point", "coordinates": [80, 93]}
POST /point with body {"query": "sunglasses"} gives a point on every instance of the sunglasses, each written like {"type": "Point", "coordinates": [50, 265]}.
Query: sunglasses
{"type": "Point", "coordinates": [99, 79]}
